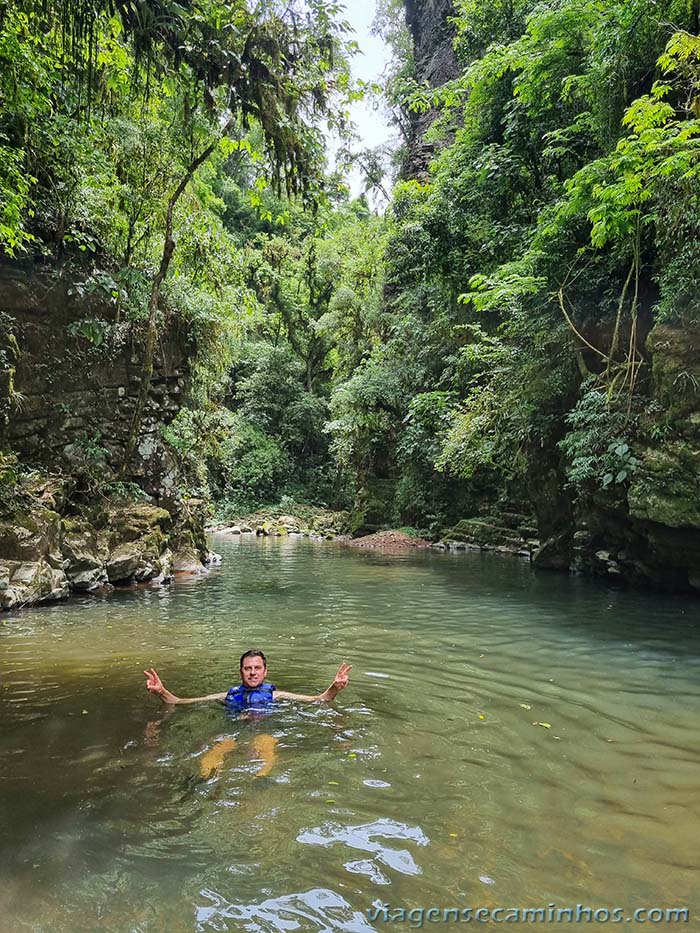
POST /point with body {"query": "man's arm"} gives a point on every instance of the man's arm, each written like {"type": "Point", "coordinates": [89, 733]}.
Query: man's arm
{"type": "Point", "coordinates": [340, 682]}
{"type": "Point", "coordinates": [155, 685]}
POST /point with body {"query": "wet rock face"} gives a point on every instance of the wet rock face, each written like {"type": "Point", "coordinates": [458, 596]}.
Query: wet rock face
{"type": "Point", "coordinates": [72, 378]}
{"type": "Point", "coordinates": [34, 536]}
{"type": "Point", "coordinates": [499, 528]}
{"type": "Point", "coordinates": [69, 395]}
{"type": "Point", "coordinates": [138, 539]}
{"type": "Point", "coordinates": [31, 563]}
{"type": "Point", "coordinates": [646, 530]}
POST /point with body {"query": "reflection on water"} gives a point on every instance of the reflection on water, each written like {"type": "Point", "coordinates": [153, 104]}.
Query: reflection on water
{"type": "Point", "coordinates": [368, 838]}
{"type": "Point", "coordinates": [507, 739]}
{"type": "Point", "coordinates": [318, 909]}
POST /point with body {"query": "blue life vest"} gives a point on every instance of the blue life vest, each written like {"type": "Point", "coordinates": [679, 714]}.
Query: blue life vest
{"type": "Point", "coordinates": [242, 697]}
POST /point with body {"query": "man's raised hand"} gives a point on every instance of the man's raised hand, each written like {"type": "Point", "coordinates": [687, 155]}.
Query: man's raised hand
{"type": "Point", "coordinates": [341, 679]}
{"type": "Point", "coordinates": [153, 682]}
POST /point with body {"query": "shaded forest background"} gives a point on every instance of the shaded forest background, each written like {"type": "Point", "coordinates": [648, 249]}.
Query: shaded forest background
{"type": "Point", "coordinates": [516, 335]}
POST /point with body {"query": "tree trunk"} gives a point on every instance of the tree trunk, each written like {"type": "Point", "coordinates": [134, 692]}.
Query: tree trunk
{"type": "Point", "coordinates": [152, 329]}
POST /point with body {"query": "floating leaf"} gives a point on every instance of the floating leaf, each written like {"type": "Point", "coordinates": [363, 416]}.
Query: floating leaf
{"type": "Point", "coordinates": [481, 717]}
{"type": "Point", "coordinates": [525, 706]}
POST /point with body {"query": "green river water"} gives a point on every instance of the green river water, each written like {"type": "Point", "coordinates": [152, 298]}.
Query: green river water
{"type": "Point", "coordinates": [429, 783]}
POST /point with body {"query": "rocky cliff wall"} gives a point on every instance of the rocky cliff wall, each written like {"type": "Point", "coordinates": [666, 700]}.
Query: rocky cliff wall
{"type": "Point", "coordinates": [70, 372]}
{"type": "Point", "coordinates": [644, 530]}
{"type": "Point", "coordinates": [433, 35]}
{"type": "Point", "coordinates": [650, 532]}
{"type": "Point", "coordinates": [70, 381]}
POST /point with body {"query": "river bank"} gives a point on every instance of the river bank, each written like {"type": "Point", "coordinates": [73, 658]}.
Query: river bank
{"type": "Point", "coordinates": [51, 546]}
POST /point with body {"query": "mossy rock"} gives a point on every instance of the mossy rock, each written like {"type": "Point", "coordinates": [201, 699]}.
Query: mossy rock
{"type": "Point", "coordinates": [139, 560]}
{"type": "Point", "coordinates": [666, 487]}
{"type": "Point", "coordinates": [31, 536]}
{"type": "Point", "coordinates": [482, 533]}
{"type": "Point", "coordinates": [676, 369]}
{"type": "Point", "coordinates": [134, 521]}
{"type": "Point", "coordinates": [86, 554]}
{"type": "Point", "coordinates": [34, 582]}
{"type": "Point", "coordinates": [188, 533]}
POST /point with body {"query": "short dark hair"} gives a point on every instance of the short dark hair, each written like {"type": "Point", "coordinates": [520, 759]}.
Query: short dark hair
{"type": "Point", "coordinates": [253, 653]}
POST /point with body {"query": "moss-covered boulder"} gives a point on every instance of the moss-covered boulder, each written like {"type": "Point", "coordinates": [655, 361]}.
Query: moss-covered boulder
{"type": "Point", "coordinates": [32, 535]}
{"type": "Point", "coordinates": [483, 533]}
{"type": "Point", "coordinates": [44, 555]}
{"type": "Point", "coordinates": [676, 374]}
{"type": "Point", "coordinates": [133, 521]}
{"type": "Point", "coordinates": [137, 536]}
{"type": "Point", "coordinates": [137, 560]}
{"type": "Point", "coordinates": [31, 582]}
{"type": "Point", "coordinates": [666, 486]}
{"type": "Point", "coordinates": [85, 554]}
{"type": "Point", "coordinates": [190, 518]}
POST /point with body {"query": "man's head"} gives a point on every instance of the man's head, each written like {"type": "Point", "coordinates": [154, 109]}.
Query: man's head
{"type": "Point", "coordinates": [253, 668]}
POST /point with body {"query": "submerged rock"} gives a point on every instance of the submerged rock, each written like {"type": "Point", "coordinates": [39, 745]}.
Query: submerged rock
{"type": "Point", "coordinates": [187, 560]}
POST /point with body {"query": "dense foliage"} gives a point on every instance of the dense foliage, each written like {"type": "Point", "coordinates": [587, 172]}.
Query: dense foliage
{"type": "Point", "coordinates": [489, 328]}
{"type": "Point", "coordinates": [149, 151]}
{"type": "Point", "coordinates": [558, 222]}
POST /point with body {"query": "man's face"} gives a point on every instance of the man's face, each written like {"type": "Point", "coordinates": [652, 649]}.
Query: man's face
{"type": "Point", "coordinates": [253, 671]}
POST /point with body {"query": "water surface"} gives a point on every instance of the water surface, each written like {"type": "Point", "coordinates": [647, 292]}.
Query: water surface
{"type": "Point", "coordinates": [508, 739]}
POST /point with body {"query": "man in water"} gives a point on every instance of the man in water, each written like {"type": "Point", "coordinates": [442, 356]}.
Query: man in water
{"type": "Point", "coordinates": [252, 691]}
{"type": "Point", "coordinates": [251, 694]}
